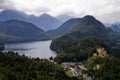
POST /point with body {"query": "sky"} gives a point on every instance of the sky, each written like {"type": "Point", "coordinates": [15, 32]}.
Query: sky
{"type": "Point", "coordinates": [107, 11]}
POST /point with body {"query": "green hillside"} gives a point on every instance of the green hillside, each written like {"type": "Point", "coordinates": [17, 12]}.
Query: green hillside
{"type": "Point", "coordinates": [14, 30]}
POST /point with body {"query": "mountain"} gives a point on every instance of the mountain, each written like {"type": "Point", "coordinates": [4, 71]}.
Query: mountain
{"type": "Point", "coordinates": [116, 27]}
{"type": "Point", "coordinates": [64, 27]}
{"type": "Point", "coordinates": [12, 14]}
{"type": "Point", "coordinates": [44, 21]}
{"type": "Point", "coordinates": [47, 22]}
{"type": "Point", "coordinates": [15, 30]}
{"type": "Point", "coordinates": [63, 17]}
{"type": "Point", "coordinates": [107, 24]}
{"type": "Point", "coordinates": [87, 26]}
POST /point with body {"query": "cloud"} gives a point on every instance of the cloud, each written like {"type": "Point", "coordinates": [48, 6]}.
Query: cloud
{"type": "Point", "coordinates": [102, 9]}
{"type": "Point", "coordinates": [2, 4]}
{"type": "Point", "coordinates": [6, 4]}
{"type": "Point", "coordinates": [110, 17]}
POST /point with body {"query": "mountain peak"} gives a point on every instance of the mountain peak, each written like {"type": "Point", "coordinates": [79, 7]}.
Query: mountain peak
{"type": "Point", "coordinates": [12, 14]}
{"type": "Point", "coordinates": [89, 20]}
{"type": "Point", "coordinates": [45, 21]}
{"type": "Point", "coordinates": [90, 17]}
{"type": "Point", "coordinates": [45, 15]}
{"type": "Point", "coordinates": [8, 10]}
{"type": "Point", "coordinates": [11, 11]}
{"type": "Point", "coordinates": [117, 23]}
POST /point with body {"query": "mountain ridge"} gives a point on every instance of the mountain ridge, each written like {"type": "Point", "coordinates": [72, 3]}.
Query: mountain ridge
{"type": "Point", "coordinates": [64, 17]}
{"type": "Point", "coordinates": [16, 30]}
{"type": "Point", "coordinates": [64, 27]}
{"type": "Point", "coordinates": [45, 22]}
{"type": "Point", "coordinates": [88, 26]}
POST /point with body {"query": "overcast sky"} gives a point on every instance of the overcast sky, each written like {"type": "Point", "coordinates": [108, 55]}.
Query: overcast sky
{"type": "Point", "coordinates": [104, 10]}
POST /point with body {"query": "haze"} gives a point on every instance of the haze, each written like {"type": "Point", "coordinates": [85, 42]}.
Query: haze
{"type": "Point", "coordinates": [105, 10]}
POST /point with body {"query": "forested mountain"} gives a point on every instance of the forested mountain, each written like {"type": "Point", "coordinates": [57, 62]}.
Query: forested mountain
{"type": "Point", "coordinates": [88, 26]}
{"type": "Point", "coordinates": [82, 40]}
{"type": "Point", "coordinates": [91, 27]}
{"type": "Point", "coordinates": [43, 21]}
{"type": "Point", "coordinates": [65, 27]}
{"type": "Point", "coordinates": [14, 30]}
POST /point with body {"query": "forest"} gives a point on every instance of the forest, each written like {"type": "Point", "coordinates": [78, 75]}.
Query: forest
{"type": "Point", "coordinates": [20, 67]}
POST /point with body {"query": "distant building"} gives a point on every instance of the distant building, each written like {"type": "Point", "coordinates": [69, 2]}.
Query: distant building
{"type": "Point", "coordinates": [101, 52]}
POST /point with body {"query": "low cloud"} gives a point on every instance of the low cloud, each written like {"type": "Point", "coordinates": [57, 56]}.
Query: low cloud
{"type": "Point", "coordinates": [6, 4]}
{"type": "Point", "coordinates": [104, 10]}
{"type": "Point", "coordinates": [110, 17]}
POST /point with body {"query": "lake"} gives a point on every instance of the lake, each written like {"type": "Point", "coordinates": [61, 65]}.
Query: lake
{"type": "Point", "coordinates": [34, 49]}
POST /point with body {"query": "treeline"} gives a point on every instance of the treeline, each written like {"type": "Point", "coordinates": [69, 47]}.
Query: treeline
{"type": "Point", "coordinates": [16, 67]}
